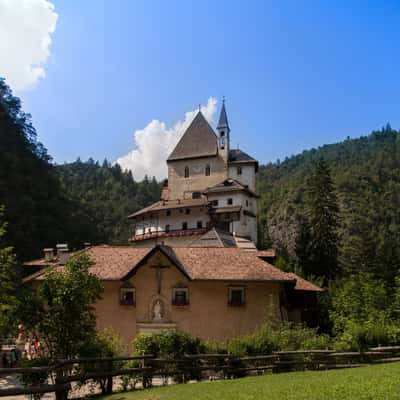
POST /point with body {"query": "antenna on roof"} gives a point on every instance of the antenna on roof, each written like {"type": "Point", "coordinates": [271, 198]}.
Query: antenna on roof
{"type": "Point", "coordinates": [199, 107]}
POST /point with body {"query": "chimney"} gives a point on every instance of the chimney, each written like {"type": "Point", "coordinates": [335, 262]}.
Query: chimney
{"type": "Point", "coordinates": [48, 254]}
{"type": "Point", "coordinates": [62, 253]}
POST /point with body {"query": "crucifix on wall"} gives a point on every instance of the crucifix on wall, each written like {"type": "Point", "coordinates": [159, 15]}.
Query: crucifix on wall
{"type": "Point", "coordinates": [158, 267]}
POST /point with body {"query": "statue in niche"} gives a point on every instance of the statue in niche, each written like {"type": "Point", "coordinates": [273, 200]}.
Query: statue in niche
{"type": "Point", "coordinates": [158, 311]}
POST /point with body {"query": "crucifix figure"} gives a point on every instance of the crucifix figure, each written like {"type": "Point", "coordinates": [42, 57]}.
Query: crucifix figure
{"type": "Point", "coordinates": [158, 269]}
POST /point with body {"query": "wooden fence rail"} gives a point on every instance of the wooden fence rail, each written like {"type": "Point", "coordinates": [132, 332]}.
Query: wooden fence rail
{"type": "Point", "coordinates": [199, 366]}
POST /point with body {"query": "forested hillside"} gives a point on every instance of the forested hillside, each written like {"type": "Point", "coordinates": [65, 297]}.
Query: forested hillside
{"type": "Point", "coordinates": [46, 204]}
{"type": "Point", "coordinates": [104, 196]}
{"type": "Point", "coordinates": [366, 175]}
{"type": "Point", "coordinates": [29, 186]}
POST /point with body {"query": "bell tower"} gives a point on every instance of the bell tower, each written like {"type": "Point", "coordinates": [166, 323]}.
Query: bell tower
{"type": "Point", "coordinates": [223, 133]}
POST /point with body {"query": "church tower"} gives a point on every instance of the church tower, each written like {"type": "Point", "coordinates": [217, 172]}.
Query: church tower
{"type": "Point", "coordinates": [223, 133]}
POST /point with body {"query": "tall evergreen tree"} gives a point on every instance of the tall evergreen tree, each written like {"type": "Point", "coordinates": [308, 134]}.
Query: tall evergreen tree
{"type": "Point", "coordinates": [322, 213]}
{"type": "Point", "coordinates": [303, 245]}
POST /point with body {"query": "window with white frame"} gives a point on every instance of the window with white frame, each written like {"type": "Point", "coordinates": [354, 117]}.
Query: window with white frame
{"type": "Point", "coordinates": [180, 296]}
{"type": "Point", "coordinates": [236, 295]}
{"type": "Point", "coordinates": [127, 296]}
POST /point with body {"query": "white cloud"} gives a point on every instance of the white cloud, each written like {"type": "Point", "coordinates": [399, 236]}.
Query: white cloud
{"type": "Point", "coordinates": [154, 143]}
{"type": "Point", "coordinates": [25, 38]}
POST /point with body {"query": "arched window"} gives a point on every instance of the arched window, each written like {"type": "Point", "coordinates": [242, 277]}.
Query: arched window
{"type": "Point", "coordinates": [208, 170]}
{"type": "Point", "coordinates": [186, 172]}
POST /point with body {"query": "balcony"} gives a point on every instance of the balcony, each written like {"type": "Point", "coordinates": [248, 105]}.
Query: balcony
{"type": "Point", "coordinates": [170, 233]}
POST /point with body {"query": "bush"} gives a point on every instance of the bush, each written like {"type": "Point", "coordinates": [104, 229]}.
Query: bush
{"type": "Point", "coordinates": [168, 344]}
{"type": "Point", "coordinates": [365, 313]}
{"type": "Point", "coordinates": [285, 337]}
{"type": "Point", "coordinates": [105, 344]}
{"type": "Point", "coordinates": [362, 336]}
{"type": "Point", "coordinates": [172, 345]}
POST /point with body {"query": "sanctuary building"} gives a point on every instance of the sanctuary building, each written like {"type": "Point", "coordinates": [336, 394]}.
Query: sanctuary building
{"type": "Point", "coordinates": [209, 186]}
{"type": "Point", "coordinates": [193, 264]}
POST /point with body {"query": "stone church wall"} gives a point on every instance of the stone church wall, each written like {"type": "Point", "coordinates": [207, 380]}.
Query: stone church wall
{"type": "Point", "coordinates": [181, 187]}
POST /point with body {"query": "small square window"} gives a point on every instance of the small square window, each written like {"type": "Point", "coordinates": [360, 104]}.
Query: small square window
{"type": "Point", "coordinates": [199, 224]}
{"type": "Point", "coordinates": [196, 195]}
{"type": "Point", "coordinates": [187, 211]}
{"type": "Point", "coordinates": [168, 213]}
{"type": "Point", "coordinates": [230, 202]}
{"type": "Point", "coordinates": [180, 296]}
{"type": "Point", "coordinates": [247, 203]}
{"type": "Point", "coordinates": [239, 170]}
{"type": "Point", "coordinates": [214, 203]}
{"type": "Point", "coordinates": [127, 296]}
{"type": "Point", "coordinates": [184, 226]}
{"type": "Point", "coordinates": [236, 296]}
{"type": "Point", "coordinates": [167, 228]}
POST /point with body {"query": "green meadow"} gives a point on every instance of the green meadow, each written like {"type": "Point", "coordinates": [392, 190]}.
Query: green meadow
{"type": "Point", "coordinates": [371, 382]}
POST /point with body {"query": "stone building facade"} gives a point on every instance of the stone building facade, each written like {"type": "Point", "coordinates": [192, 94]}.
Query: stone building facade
{"type": "Point", "coordinates": [209, 185]}
{"type": "Point", "coordinates": [213, 293]}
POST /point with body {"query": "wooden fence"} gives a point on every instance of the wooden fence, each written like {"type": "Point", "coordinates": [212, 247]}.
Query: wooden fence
{"type": "Point", "coordinates": [58, 377]}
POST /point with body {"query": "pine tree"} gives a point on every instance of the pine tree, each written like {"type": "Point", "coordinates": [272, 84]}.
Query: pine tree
{"type": "Point", "coordinates": [322, 213]}
{"type": "Point", "coordinates": [303, 244]}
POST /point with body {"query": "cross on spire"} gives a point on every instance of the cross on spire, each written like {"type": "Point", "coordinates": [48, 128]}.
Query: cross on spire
{"type": "Point", "coordinates": [223, 119]}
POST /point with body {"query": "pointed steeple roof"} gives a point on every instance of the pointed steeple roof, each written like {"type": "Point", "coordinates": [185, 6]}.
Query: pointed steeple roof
{"type": "Point", "coordinates": [199, 140]}
{"type": "Point", "coordinates": [223, 119]}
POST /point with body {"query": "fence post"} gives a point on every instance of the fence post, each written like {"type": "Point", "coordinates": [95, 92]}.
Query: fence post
{"type": "Point", "coordinates": [61, 394]}
{"type": "Point", "coordinates": [109, 387]}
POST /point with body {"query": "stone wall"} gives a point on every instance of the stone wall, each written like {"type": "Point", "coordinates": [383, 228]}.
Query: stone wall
{"type": "Point", "coordinates": [182, 188]}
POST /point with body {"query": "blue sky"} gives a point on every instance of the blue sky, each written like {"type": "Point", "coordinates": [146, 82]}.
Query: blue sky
{"type": "Point", "coordinates": [296, 74]}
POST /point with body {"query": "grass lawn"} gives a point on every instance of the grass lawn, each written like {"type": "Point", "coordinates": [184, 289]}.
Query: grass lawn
{"type": "Point", "coordinates": [371, 382]}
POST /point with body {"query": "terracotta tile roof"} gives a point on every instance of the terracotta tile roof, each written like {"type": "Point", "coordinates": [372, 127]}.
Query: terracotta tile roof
{"type": "Point", "coordinates": [227, 264]}
{"type": "Point", "coordinates": [302, 284]}
{"type": "Point", "coordinates": [169, 205]}
{"type": "Point", "coordinates": [118, 262]}
{"type": "Point", "coordinates": [114, 262]}
{"type": "Point", "coordinates": [199, 140]}
{"type": "Point", "coordinates": [110, 262]}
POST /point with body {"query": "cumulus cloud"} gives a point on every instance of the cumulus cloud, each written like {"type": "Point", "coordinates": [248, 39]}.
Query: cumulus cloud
{"type": "Point", "coordinates": [154, 143]}
{"type": "Point", "coordinates": [26, 27]}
